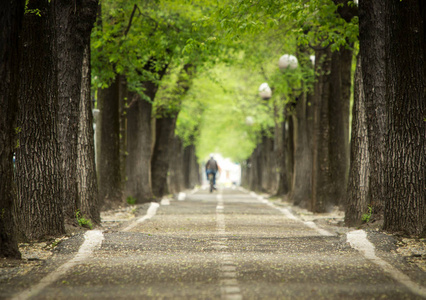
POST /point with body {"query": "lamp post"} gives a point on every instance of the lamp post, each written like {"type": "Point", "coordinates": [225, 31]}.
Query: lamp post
{"type": "Point", "coordinates": [265, 91]}
{"type": "Point", "coordinates": [287, 61]}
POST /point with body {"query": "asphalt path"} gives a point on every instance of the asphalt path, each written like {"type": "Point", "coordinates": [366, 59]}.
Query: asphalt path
{"type": "Point", "coordinates": [227, 245]}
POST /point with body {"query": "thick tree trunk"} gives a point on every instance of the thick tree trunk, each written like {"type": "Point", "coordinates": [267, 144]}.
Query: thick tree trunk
{"type": "Point", "coordinates": [138, 171]}
{"type": "Point", "coordinates": [164, 132]}
{"type": "Point", "coordinates": [255, 170]}
{"type": "Point", "coordinates": [268, 183]}
{"type": "Point", "coordinates": [140, 140]}
{"type": "Point", "coordinates": [11, 15]}
{"type": "Point", "coordinates": [74, 23]}
{"type": "Point", "coordinates": [176, 178]}
{"type": "Point", "coordinates": [301, 190]}
{"type": "Point", "coordinates": [372, 51]}
{"type": "Point", "coordinates": [289, 151]}
{"type": "Point", "coordinates": [405, 173]}
{"type": "Point", "coordinates": [322, 186]}
{"type": "Point", "coordinates": [339, 116]}
{"type": "Point", "coordinates": [279, 140]}
{"type": "Point", "coordinates": [86, 168]}
{"type": "Point", "coordinates": [110, 193]}
{"type": "Point", "coordinates": [38, 169]}
{"type": "Point", "coordinates": [192, 168]}
{"type": "Point", "coordinates": [123, 95]}
{"type": "Point", "coordinates": [358, 183]}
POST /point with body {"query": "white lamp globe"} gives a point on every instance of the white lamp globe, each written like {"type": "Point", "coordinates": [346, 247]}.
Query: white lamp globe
{"type": "Point", "coordinates": [249, 120]}
{"type": "Point", "coordinates": [287, 61]}
{"type": "Point", "coordinates": [312, 58]}
{"type": "Point", "coordinates": [265, 91]}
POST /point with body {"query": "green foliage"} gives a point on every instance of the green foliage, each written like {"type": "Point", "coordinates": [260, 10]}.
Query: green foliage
{"type": "Point", "coordinates": [366, 217]}
{"type": "Point", "coordinates": [34, 11]}
{"type": "Point", "coordinates": [131, 200]}
{"type": "Point", "coordinates": [83, 222]}
{"type": "Point", "coordinates": [234, 46]}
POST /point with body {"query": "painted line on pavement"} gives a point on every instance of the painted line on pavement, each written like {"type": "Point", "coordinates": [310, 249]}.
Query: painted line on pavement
{"type": "Point", "coordinates": [229, 287]}
{"type": "Point", "coordinates": [152, 210]}
{"type": "Point", "coordinates": [92, 240]}
{"type": "Point", "coordinates": [358, 240]}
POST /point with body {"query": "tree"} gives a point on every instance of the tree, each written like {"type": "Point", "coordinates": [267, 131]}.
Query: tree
{"type": "Point", "coordinates": [167, 112]}
{"type": "Point", "coordinates": [359, 175]}
{"type": "Point", "coordinates": [405, 164]}
{"type": "Point", "coordinates": [38, 167]}
{"type": "Point", "coordinates": [11, 15]}
{"type": "Point", "coordinates": [373, 65]}
{"type": "Point", "coordinates": [74, 23]}
{"type": "Point", "coordinates": [110, 189]}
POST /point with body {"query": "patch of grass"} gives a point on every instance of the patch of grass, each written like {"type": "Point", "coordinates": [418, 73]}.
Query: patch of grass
{"type": "Point", "coordinates": [131, 200]}
{"type": "Point", "coordinates": [366, 217]}
{"type": "Point", "coordinates": [83, 222]}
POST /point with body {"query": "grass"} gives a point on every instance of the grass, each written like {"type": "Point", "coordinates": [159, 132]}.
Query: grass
{"type": "Point", "coordinates": [83, 222]}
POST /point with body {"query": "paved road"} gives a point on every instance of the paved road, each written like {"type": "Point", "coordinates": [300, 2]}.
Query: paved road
{"type": "Point", "coordinates": [227, 245]}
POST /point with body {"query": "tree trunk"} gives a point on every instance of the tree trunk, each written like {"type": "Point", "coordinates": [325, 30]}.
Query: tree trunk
{"type": "Point", "coordinates": [372, 51]}
{"type": "Point", "coordinates": [164, 132]}
{"type": "Point", "coordinates": [123, 95]}
{"type": "Point", "coordinates": [140, 141]}
{"type": "Point", "coordinates": [405, 173]}
{"type": "Point", "coordinates": [10, 24]}
{"type": "Point", "coordinates": [289, 151]}
{"type": "Point", "coordinates": [38, 169]}
{"type": "Point", "coordinates": [339, 115]}
{"type": "Point", "coordinates": [321, 178]}
{"type": "Point", "coordinates": [110, 193]}
{"type": "Point", "coordinates": [138, 171]}
{"type": "Point", "coordinates": [279, 140]}
{"type": "Point", "coordinates": [176, 170]}
{"type": "Point", "coordinates": [74, 23]}
{"type": "Point", "coordinates": [192, 169]}
{"type": "Point", "coordinates": [86, 167]}
{"type": "Point", "coordinates": [301, 190]}
{"type": "Point", "coordinates": [358, 183]}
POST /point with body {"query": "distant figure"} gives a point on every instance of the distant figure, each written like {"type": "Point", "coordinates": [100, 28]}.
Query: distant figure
{"type": "Point", "coordinates": [211, 168]}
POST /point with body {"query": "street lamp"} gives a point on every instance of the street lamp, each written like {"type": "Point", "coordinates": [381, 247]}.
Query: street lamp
{"type": "Point", "coordinates": [265, 91]}
{"type": "Point", "coordinates": [287, 61]}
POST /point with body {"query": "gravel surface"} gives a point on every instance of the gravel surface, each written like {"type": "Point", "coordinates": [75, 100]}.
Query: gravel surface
{"type": "Point", "coordinates": [226, 245]}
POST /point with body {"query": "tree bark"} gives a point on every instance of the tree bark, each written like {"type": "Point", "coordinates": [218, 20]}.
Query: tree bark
{"type": "Point", "coordinates": [279, 140]}
{"type": "Point", "coordinates": [38, 169]}
{"type": "Point", "coordinates": [86, 167]}
{"type": "Point", "coordinates": [11, 15]}
{"type": "Point", "coordinates": [358, 183]}
{"type": "Point", "coordinates": [191, 166]}
{"type": "Point", "coordinates": [164, 131]}
{"type": "Point", "coordinates": [321, 178]}
{"type": "Point", "coordinates": [301, 190]}
{"type": "Point", "coordinates": [405, 173]}
{"type": "Point", "coordinates": [338, 117]}
{"type": "Point", "coordinates": [176, 176]}
{"type": "Point", "coordinates": [140, 141]}
{"type": "Point", "coordinates": [74, 23]}
{"type": "Point", "coordinates": [110, 193]}
{"type": "Point", "coordinates": [372, 51]}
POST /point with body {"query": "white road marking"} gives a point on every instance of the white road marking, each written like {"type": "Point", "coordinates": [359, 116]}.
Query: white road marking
{"type": "Point", "coordinates": [165, 201]}
{"type": "Point", "coordinates": [229, 284]}
{"type": "Point", "coordinates": [181, 196]}
{"type": "Point", "coordinates": [149, 214]}
{"type": "Point", "coordinates": [92, 240]}
{"type": "Point", "coordinates": [358, 240]}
